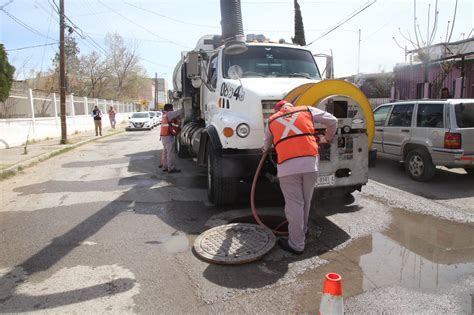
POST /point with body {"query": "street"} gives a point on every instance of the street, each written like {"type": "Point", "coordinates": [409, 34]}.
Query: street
{"type": "Point", "coordinates": [101, 229]}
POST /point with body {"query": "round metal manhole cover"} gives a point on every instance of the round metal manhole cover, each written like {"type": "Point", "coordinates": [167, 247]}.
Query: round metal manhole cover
{"type": "Point", "coordinates": [235, 243]}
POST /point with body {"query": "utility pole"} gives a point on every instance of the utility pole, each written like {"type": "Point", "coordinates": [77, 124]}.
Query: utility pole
{"type": "Point", "coordinates": [62, 74]}
{"type": "Point", "coordinates": [358, 56]}
{"type": "Point", "coordinates": [156, 91]}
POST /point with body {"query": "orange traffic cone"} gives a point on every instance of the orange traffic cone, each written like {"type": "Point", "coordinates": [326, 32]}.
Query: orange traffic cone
{"type": "Point", "coordinates": [331, 301]}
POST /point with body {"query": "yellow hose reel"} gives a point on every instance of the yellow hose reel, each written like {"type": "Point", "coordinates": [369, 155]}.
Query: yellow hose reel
{"type": "Point", "coordinates": [311, 94]}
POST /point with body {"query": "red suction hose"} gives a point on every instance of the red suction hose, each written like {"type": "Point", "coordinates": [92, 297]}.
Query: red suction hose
{"type": "Point", "coordinates": [252, 199]}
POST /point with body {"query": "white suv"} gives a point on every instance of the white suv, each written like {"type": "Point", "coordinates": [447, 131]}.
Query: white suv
{"type": "Point", "coordinates": [426, 133]}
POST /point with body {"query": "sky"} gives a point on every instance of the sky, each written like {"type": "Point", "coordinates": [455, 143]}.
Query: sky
{"type": "Point", "coordinates": [162, 29]}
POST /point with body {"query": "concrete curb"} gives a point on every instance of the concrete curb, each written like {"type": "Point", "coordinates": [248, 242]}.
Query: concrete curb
{"type": "Point", "coordinates": [12, 170]}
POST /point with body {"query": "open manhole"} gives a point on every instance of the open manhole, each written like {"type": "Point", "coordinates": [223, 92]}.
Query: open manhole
{"type": "Point", "coordinates": [235, 243]}
{"type": "Point", "coordinates": [273, 222]}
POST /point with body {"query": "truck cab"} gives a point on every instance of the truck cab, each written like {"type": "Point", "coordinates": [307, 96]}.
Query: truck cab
{"type": "Point", "coordinates": [228, 99]}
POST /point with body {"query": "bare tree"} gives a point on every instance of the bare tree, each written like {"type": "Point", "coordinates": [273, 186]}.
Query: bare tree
{"type": "Point", "coordinates": [94, 74]}
{"type": "Point", "coordinates": [123, 60]}
{"type": "Point", "coordinates": [421, 42]}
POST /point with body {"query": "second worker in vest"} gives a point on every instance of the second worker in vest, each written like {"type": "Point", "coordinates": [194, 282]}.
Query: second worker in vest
{"type": "Point", "coordinates": [169, 129]}
{"type": "Point", "coordinates": [291, 130]}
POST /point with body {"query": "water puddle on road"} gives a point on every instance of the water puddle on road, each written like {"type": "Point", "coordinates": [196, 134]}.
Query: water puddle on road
{"type": "Point", "coordinates": [416, 252]}
{"type": "Point", "coordinates": [419, 251]}
{"type": "Point", "coordinates": [177, 242]}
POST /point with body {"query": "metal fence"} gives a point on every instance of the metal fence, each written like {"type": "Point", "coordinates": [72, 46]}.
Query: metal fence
{"type": "Point", "coordinates": [376, 102]}
{"type": "Point", "coordinates": [34, 104]}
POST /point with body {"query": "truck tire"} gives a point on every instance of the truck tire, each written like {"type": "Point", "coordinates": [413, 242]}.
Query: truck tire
{"type": "Point", "coordinates": [181, 149]}
{"type": "Point", "coordinates": [220, 190]}
{"type": "Point", "coordinates": [419, 165]}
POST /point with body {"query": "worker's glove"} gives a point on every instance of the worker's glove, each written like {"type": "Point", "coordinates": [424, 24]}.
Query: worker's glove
{"type": "Point", "coordinates": [322, 139]}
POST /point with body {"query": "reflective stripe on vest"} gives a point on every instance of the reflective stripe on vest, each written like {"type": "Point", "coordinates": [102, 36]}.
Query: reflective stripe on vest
{"type": "Point", "coordinates": [175, 127]}
{"type": "Point", "coordinates": [165, 129]}
{"type": "Point", "coordinates": [293, 133]}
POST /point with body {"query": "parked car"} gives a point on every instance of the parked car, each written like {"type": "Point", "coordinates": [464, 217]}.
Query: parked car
{"type": "Point", "coordinates": [159, 116]}
{"type": "Point", "coordinates": [426, 133]}
{"type": "Point", "coordinates": [140, 120]}
{"type": "Point", "coordinates": [154, 119]}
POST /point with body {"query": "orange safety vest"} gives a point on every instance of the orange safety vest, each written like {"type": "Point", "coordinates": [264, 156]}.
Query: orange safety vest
{"type": "Point", "coordinates": [169, 128]}
{"type": "Point", "coordinates": [293, 133]}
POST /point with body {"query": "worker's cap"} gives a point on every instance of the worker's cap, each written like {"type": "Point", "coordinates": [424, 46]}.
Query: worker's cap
{"type": "Point", "coordinates": [280, 104]}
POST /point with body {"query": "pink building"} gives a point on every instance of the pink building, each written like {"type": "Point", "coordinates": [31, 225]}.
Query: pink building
{"type": "Point", "coordinates": [451, 65]}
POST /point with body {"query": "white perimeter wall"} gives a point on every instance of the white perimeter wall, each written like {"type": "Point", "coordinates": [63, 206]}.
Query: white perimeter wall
{"type": "Point", "coordinates": [13, 132]}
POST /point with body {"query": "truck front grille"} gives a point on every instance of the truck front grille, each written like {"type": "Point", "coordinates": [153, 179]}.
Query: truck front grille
{"type": "Point", "coordinates": [267, 109]}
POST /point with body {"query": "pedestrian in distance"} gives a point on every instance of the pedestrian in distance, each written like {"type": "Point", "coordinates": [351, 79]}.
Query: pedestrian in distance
{"type": "Point", "coordinates": [112, 112]}
{"type": "Point", "coordinates": [445, 93]}
{"type": "Point", "coordinates": [170, 127]}
{"type": "Point", "coordinates": [97, 115]}
{"type": "Point", "coordinates": [291, 131]}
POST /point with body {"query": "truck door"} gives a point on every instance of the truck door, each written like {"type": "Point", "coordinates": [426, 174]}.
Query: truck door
{"type": "Point", "coordinates": [209, 97]}
{"type": "Point", "coordinates": [398, 129]}
{"type": "Point", "coordinates": [380, 118]}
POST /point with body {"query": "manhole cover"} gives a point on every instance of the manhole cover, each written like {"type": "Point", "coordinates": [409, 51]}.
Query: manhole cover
{"type": "Point", "coordinates": [235, 243]}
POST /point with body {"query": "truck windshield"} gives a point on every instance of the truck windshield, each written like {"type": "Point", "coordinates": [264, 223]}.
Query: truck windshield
{"type": "Point", "coordinates": [272, 61]}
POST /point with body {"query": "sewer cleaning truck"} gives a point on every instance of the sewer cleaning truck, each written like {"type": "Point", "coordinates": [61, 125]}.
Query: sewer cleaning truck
{"type": "Point", "coordinates": [228, 85]}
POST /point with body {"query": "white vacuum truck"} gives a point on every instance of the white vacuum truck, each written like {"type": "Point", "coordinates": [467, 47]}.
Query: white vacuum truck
{"type": "Point", "coordinates": [229, 86]}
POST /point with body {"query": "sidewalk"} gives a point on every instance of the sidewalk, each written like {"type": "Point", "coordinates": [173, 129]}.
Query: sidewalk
{"type": "Point", "coordinates": [14, 159]}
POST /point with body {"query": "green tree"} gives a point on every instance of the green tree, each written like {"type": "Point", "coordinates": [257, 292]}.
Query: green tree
{"type": "Point", "coordinates": [6, 74]}
{"type": "Point", "coordinates": [299, 28]}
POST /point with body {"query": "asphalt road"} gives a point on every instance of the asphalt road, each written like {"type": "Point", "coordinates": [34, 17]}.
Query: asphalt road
{"type": "Point", "coordinates": [101, 229]}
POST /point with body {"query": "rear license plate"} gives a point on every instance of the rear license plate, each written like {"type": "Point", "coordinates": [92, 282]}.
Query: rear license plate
{"type": "Point", "coordinates": [326, 180]}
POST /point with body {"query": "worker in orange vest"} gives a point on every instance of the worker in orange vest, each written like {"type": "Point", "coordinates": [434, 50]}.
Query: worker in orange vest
{"type": "Point", "coordinates": [170, 127]}
{"type": "Point", "coordinates": [291, 130]}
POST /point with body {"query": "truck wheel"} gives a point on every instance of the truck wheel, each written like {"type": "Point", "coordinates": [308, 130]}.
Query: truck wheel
{"type": "Point", "coordinates": [419, 165]}
{"type": "Point", "coordinates": [181, 149]}
{"type": "Point", "coordinates": [220, 190]}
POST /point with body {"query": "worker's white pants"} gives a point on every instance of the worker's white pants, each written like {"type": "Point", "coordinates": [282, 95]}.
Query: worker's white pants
{"type": "Point", "coordinates": [169, 152]}
{"type": "Point", "coordinates": [298, 191]}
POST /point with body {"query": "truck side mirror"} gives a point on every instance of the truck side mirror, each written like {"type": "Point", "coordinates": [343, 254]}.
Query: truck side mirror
{"type": "Point", "coordinates": [193, 65]}
{"type": "Point", "coordinates": [328, 72]}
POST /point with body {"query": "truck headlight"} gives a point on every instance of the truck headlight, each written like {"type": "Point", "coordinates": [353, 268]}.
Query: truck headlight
{"type": "Point", "coordinates": [242, 130]}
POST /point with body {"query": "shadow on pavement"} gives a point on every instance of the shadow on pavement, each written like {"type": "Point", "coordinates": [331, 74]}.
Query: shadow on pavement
{"type": "Point", "coordinates": [445, 185]}
{"type": "Point", "coordinates": [270, 270]}
{"type": "Point", "coordinates": [185, 212]}
{"type": "Point", "coordinates": [24, 302]}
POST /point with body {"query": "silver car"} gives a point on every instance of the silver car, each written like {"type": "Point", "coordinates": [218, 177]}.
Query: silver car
{"type": "Point", "coordinates": [426, 133]}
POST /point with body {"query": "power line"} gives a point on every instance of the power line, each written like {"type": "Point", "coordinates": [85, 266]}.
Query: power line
{"type": "Point", "coordinates": [82, 35]}
{"type": "Point", "coordinates": [170, 18]}
{"type": "Point", "coordinates": [158, 64]}
{"type": "Point", "coordinates": [29, 47]}
{"type": "Point", "coordinates": [128, 37]}
{"type": "Point", "coordinates": [351, 16]}
{"type": "Point", "coordinates": [6, 3]}
{"type": "Point", "coordinates": [44, 49]}
{"type": "Point", "coordinates": [90, 14]}
{"type": "Point", "coordinates": [20, 22]}
{"type": "Point", "coordinates": [140, 26]}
